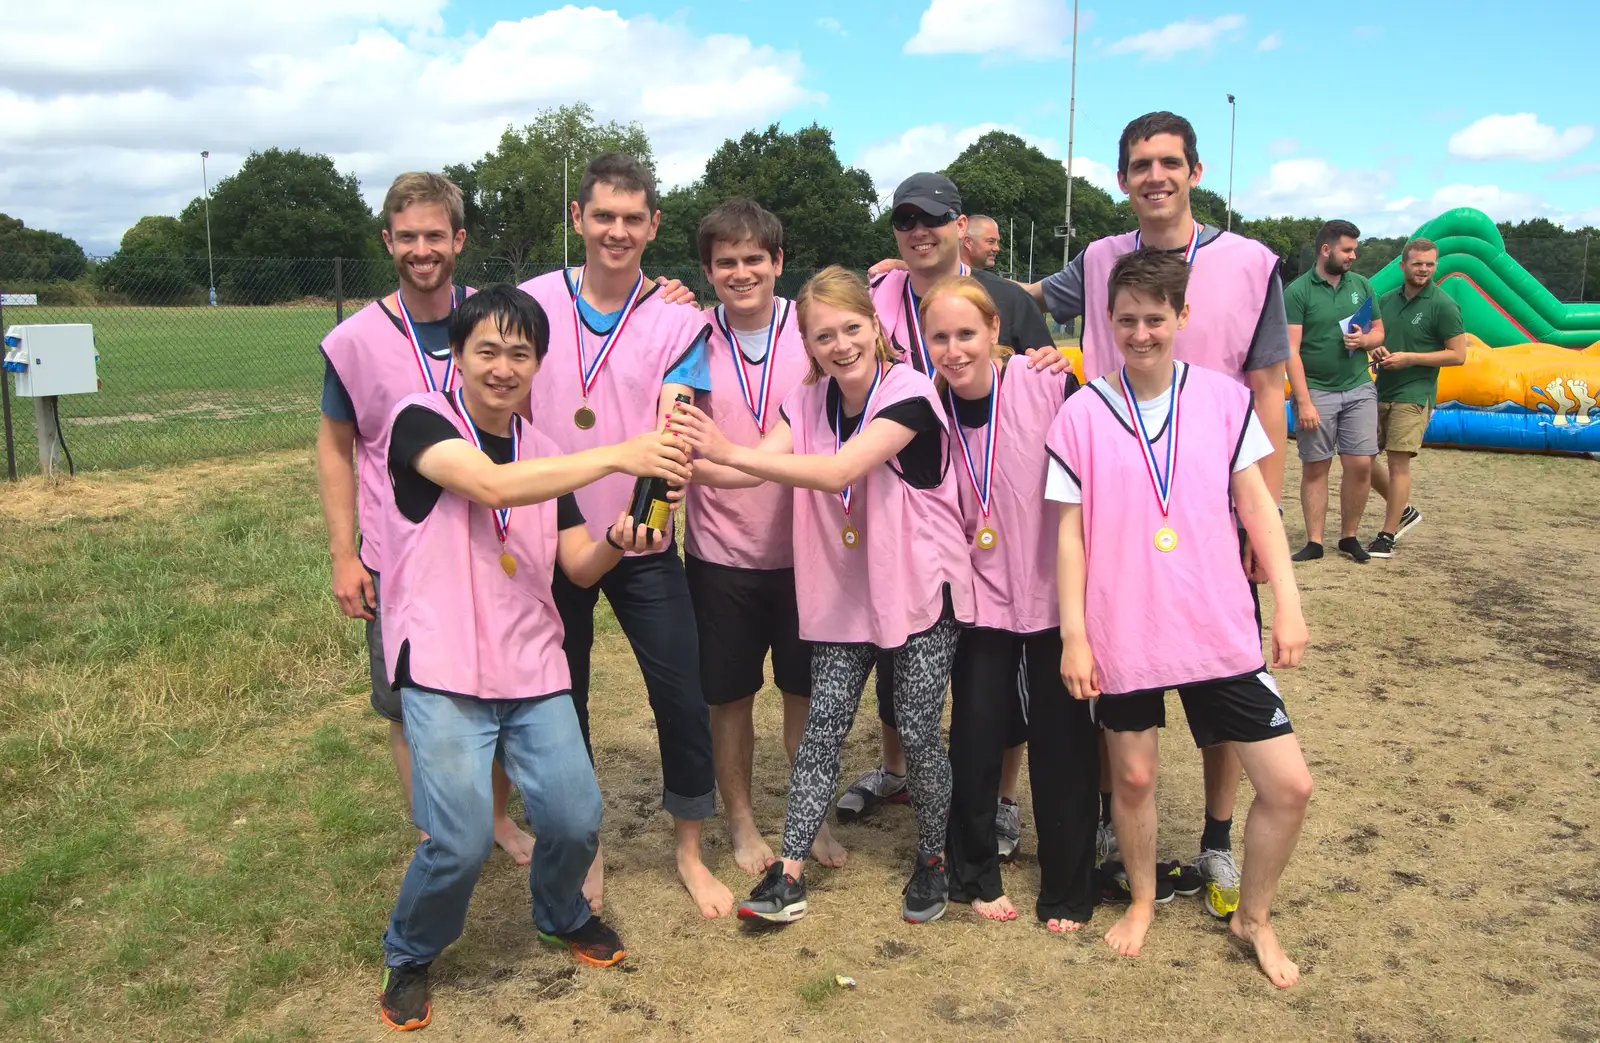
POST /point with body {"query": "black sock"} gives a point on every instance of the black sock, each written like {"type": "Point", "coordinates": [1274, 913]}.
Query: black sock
{"type": "Point", "coordinates": [1105, 808]}
{"type": "Point", "coordinates": [1218, 835]}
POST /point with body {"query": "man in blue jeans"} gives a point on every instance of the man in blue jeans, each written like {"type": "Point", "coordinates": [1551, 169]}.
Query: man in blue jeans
{"type": "Point", "coordinates": [482, 514]}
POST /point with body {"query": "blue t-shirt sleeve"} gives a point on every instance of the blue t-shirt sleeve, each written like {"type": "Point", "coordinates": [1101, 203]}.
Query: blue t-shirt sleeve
{"type": "Point", "coordinates": [694, 369]}
{"type": "Point", "coordinates": [336, 404]}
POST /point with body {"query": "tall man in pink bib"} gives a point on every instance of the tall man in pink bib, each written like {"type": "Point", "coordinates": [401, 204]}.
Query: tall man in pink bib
{"type": "Point", "coordinates": [739, 543]}
{"type": "Point", "coordinates": [619, 355]}
{"type": "Point", "coordinates": [1236, 327]}
{"type": "Point", "coordinates": [394, 347]}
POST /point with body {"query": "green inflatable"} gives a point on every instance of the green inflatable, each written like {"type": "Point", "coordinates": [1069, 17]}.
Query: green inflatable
{"type": "Point", "coordinates": [1500, 302]}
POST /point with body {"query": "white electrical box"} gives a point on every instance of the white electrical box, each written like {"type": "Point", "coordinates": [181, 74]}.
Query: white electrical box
{"type": "Point", "coordinates": [52, 360]}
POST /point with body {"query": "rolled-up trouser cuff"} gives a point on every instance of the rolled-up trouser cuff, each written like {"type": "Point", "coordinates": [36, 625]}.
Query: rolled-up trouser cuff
{"type": "Point", "coordinates": [690, 809]}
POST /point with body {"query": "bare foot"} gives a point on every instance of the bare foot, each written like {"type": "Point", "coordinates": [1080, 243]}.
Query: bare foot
{"type": "Point", "coordinates": [1275, 963]}
{"type": "Point", "coordinates": [999, 909]}
{"type": "Point", "coordinates": [827, 850]}
{"type": "Point", "coordinates": [1063, 926]}
{"type": "Point", "coordinates": [1127, 934]}
{"type": "Point", "coordinates": [513, 840]}
{"type": "Point", "coordinates": [750, 849]}
{"type": "Point", "coordinates": [594, 884]}
{"type": "Point", "coordinates": [709, 895]}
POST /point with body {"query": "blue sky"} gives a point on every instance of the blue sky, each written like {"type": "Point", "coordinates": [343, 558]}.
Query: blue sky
{"type": "Point", "coordinates": [1386, 114]}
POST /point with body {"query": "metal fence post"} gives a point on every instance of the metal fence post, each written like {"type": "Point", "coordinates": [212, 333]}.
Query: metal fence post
{"type": "Point", "coordinates": [338, 290]}
{"type": "Point", "coordinates": [5, 402]}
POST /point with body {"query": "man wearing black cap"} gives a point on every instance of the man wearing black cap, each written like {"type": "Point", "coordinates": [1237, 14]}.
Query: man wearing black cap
{"type": "Point", "coordinates": [928, 226]}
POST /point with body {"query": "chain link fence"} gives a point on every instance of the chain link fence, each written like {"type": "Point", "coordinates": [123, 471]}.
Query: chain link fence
{"type": "Point", "coordinates": [182, 379]}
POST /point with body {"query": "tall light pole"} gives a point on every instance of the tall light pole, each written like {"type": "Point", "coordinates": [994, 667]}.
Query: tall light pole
{"type": "Point", "coordinates": [1233, 122]}
{"type": "Point", "coordinates": [1072, 114]}
{"type": "Point", "coordinates": [566, 207]}
{"type": "Point", "coordinates": [205, 185]}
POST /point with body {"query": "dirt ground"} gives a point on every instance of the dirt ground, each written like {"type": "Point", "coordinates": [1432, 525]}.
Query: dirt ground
{"type": "Point", "coordinates": [1447, 886]}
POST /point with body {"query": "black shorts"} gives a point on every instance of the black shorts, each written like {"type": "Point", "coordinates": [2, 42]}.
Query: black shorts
{"type": "Point", "coordinates": [1247, 708]}
{"type": "Point", "coordinates": [385, 700]}
{"type": "Point", "coordinates": [741, 614]}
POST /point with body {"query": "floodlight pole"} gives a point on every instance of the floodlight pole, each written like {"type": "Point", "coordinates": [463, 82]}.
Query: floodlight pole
{"type": "Point", "coordinates": [1233, 119]}
{"type": "Point", "coordinates": [1072, 114]}
{"type": "Point", "coordinates": [566, 216]}
{"type": "Point", "coordinates": [205, 185]}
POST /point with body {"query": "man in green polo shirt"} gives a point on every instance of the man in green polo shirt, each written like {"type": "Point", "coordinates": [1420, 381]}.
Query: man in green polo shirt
{"type": "Point", "coordinates": [1335, 403]}
{"type": "Point", "coordinates": [1425, 334]}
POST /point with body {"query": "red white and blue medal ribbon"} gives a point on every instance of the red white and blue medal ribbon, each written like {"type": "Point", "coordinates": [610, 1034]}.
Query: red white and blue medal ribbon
{"type": "Point", "coordinates": [1166, 539]}
{"type": "Point", "coordinates": [410, 330]}
{"type": "Point", "coordinates": [838, 426]}
{"type": "Point", "coordinates": [756, 393]}
{"type": "Point", "coordinates": [984, 489]}
{"type": "Point", "coordinates": [919, 347]}
{"type": "Point", "coordinates": [502, 515]}
{"type": "Point", "coordinates": [1188, 251]}
{"type": "Point", "coordinates": [590, 372]}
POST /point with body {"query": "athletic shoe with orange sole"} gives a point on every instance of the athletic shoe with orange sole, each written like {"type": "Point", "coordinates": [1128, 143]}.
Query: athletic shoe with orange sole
{"type": "Point", "coordinates": [403, 999]}
{"type": "Point", "coordinates": [594, 943]}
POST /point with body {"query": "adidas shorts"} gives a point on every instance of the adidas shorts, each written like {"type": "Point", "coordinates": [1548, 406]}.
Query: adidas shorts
{"type": "Point", "coordinates": [1247, 708]}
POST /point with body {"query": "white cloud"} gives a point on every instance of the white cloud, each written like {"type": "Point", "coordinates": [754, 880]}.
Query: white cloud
{"type": "Point", "coordinates": [1284, 146]}
{"type": "Point", "coordinates": [830, 25]}
{"type": "Point", "coordinates": [1018, 28]}
{"type": "Point", "coordinates": [1574, 172]}
{"type": "Point", "coordinates": [107, 103]}
{"type": "Point", "coordinates": [1520, 136]}
{"type": "Point", "coordinates": [1270, 42]}
{"type": "Point", "coordinates": [1096, 173]}
{"type": "Point", "coordinates": [1166, 43]}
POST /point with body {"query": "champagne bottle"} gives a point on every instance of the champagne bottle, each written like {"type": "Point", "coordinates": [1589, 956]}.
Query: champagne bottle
{"type": "Point", "coordinates": [649, 508]}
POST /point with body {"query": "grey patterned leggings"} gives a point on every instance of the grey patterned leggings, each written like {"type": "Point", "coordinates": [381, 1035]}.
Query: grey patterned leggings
{"type": "Point", "coordinates": [838, 674]}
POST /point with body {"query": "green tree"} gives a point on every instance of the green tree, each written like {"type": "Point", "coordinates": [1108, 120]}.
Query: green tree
{"type": "Point", "coordinates": [1212, 209]}
{"type": "Point", "coordinates": [36, 255]}
{"type": "Point", "coordinates": [1291, 238]}
{"type": "Point", "coordinates": [156, 263]}
{"type": "Point", "coordinates": [516, 213]}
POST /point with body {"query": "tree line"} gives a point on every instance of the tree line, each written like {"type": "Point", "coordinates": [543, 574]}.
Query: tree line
{"type": "Point", "coordinates": [285, 203]}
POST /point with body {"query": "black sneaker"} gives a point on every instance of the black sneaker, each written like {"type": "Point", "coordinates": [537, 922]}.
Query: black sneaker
{"type": "Point", "coordinates": [778, 898]}
{"type": "Point", "coordinates": [1112, 881]}
{"type": "Point", "coordinates": [594, 943]}
{"type": "Point", "coordinates": [1310, 552]}
{"type": "Point", "coordinates": [1186, 879]}
{"type": "Point", "coordinates": [927, 892]}
{"type": "Point", "coordinates": [1351, 548]}
{"type": "Point", "coordinates": [403, 1002]}
{"type": "Point", "coordinates": [1382, 546]}
{"type": "Point", "coordinates": [1410, 518]}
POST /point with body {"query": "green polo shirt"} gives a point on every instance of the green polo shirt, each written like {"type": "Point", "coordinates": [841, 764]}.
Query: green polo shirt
{"type": "Point", "coordinates": [1317, 307]}
{"type": "Point", "coordinates": [1422, 323]}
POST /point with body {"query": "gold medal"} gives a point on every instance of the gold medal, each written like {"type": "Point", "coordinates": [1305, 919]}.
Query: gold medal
{"type": "Point", "coordinates": [508, 563]}
{"type": "Point", "coordinates": [987, 538]}
{"type": "Point", "coordinates": [852, 538]}
{"type": "Point", "coordinates": [1166, 540]}
{"type": "Point", "coordinates": [584, 417]}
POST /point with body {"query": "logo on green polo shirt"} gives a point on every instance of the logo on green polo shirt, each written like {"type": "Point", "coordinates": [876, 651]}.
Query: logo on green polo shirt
{"type": "Point", "coordinates": [1416, 320]}
{"type": "Point", "coordinates": [1355, 297]}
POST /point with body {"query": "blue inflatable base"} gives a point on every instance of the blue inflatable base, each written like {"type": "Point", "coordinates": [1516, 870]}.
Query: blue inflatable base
{"type": "Point", "coordinates": [1509, 427]}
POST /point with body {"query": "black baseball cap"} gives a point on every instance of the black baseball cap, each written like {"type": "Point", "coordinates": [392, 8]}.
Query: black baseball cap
{"type": "Point", "coordinates": [931, 193]}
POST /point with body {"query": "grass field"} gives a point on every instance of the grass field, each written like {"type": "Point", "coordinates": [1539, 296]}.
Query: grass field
{"type": "Point", "coordinates": [202, 833]}
{"type": "Point", "coordinates": [183, 384]}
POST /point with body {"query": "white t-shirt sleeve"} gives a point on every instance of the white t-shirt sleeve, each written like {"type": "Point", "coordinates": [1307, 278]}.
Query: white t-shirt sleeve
{"type": "Point", "coordinates": [1060, 486]}
{"type": "Point", "coordinates": [1255, 446]}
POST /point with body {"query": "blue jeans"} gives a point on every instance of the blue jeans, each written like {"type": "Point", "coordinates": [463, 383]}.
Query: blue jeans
{"type": "Point", "coordinates": [453, 743]}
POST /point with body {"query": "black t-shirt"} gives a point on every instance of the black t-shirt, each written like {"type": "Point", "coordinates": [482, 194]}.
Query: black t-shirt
{"type": "Point", "coordinates": [922, 460]}
{"type": "Point", "coordinates": [417, 428]}
{"type": "Point", "coordinates": [1022, 326]}
{"type": "Point", "coordinates": [974, 412]}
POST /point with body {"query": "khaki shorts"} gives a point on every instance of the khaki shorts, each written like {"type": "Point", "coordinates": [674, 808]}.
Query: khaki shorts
{"type": "Point", "coordinates": [1401, 426]}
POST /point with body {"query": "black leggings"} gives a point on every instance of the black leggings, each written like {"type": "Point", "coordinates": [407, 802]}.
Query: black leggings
{"type": "Point", "coordinates": [1063, 769]}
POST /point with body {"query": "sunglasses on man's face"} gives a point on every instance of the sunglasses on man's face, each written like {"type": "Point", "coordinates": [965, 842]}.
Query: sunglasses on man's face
{"type": "Point", "coordinates": [906, 220]}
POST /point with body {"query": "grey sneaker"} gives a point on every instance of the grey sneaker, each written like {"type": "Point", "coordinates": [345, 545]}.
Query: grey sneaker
{"type": "Point", "coordinates": [1008, 828]}
{"type": "Point", "coordinates": [872, 790]}
{"type": "Point", "coordinates": [927, 892]}
{"type": "Point", "coordinates": [778, 898]}
{"type": "Point", "coordinates": [1222, 882]}
{"type": "Point", "coordinates": [1105, 844]}
{"type": "Point", "coordinates": [1410, 518]}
